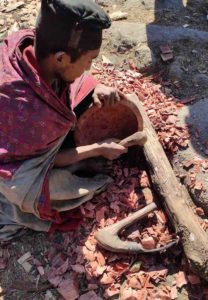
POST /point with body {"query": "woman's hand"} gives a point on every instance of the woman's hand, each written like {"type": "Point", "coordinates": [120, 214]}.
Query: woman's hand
{"type": "Point", "coordinates": [110, 149]}
{"type": "Point", "coordinates": [107, 96]}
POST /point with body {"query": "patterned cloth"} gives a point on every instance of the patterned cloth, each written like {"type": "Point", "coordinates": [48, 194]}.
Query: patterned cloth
{"type": "Point", "coordinates": [34, 122]}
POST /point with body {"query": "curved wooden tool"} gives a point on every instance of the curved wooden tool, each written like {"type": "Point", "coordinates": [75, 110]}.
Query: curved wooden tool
{"type": "Point", "coordinates": [137, 139]}
{"type": "Point", "coordinates": [108, 237]}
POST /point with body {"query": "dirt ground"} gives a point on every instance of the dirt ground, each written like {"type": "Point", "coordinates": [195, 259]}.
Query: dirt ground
{"type": "Point", "coordinates": [188, 76]}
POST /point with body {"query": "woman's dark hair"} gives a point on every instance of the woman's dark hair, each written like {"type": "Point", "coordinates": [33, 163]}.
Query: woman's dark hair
{"type": "Point", "coordinates": [61, 32]}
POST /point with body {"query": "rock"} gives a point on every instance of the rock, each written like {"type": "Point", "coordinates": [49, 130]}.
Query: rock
{"type": "Point", "coordinates": [175, 71]}
{"type": "Point", "coordinates": [114, 60]}
{"type": "Point", "coordinates": [201, 79]}
{"type": "Point", "coordinates": [122, 33]}
{"type": "Point", "coordinates": [49, 296]}
{"type": "Point", "coordinates": [102, 2]}
{"type": "Point", "coordinates": [24, 25]}
{"type": "Point", "coordinates": [32, 21]}
{"type": "Point", "coordinates": [14, 6]}
{"type": "Point", "coordinates": [142, 4]}
{"type": "Point", "coordinates": [124, 44]}
{"type": "Point", "coordinates": [151, 33]}
{"type": "Point", "coordinates": [145, 57]}
{"type": "Point", "coordinates": [118, 15]}
{"type": "Point", "coordinates": [196, 115]}
{"type": "Point", "coordinates": [157, 5]}
{"type": "Point", "coordinates": [122, 40]}
{"type": "Point", "coordinates": [15, 27]}
{"type": "Point", "coordinates": [106, 60]}
{"type": "Point", "coordinates": [3, 35]}
{"type": "Point", "coordinates": [181, 59]}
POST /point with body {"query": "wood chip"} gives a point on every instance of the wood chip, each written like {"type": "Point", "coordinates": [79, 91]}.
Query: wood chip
{"type": "Point", "coordinates": [181, 279]}
{"type": "Point", "coordinates": [68, 289]}
{"type": "Point", "coordinates": [79, 269]}
{"type": "Point", "coordinates": [90, 296]}
{"type": "Point", "coordinates": [27, 266]}
{"type": "Point", "coordinates": [41, 270]}
{"type": "Point", "coordinates": [24, 257]}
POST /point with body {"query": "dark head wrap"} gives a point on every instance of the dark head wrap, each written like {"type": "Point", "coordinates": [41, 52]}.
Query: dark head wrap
{"type": "Point", "coordinates": [65, 25]}
{"type": "Point", "coordinates": [84, 12]}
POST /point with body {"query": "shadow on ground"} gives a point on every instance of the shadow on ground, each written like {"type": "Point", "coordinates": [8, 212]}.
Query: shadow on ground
{"type": "Point", "coordinates": [191, 115]}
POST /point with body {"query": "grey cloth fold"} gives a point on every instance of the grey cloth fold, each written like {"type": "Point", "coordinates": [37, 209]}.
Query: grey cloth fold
{"type": "Point", "coordinates": [19, 196]}
{"type": "Point", "coordinates": [68, 191]}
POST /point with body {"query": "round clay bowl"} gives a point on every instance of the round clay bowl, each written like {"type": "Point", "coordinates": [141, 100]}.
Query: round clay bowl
{"type": "Point", "coordinates": [118, 121]}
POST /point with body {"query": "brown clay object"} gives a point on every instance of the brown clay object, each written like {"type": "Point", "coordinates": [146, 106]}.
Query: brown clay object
{"type": "Point", "coordinates": [119, 121]}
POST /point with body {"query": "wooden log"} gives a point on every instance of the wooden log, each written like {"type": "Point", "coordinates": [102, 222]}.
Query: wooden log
{"type": "Point", "coordinates": [175, 199]}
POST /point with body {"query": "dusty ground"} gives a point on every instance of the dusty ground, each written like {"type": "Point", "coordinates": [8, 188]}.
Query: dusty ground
{"type": "Point", "coordinates": [189, 78]}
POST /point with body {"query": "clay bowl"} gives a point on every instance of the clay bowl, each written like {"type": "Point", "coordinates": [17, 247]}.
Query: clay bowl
{"type": "Point", "coordinates": [118, 121]}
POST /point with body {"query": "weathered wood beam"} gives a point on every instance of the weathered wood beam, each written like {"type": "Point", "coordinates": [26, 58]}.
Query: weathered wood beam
{"type": "Point", "coordinates": [175, 199]}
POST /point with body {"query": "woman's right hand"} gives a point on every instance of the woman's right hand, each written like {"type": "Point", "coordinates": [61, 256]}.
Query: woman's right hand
{"type": "Point", "coordinates": [110, 149]}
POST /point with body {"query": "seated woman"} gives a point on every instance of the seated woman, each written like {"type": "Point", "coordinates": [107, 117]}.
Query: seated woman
{"type": "Point", "coordinates": [41, 84]}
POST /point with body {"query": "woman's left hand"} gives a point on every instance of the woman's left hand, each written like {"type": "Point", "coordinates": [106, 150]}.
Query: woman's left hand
{"type": "Point", "coordinates": [106, 96]}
